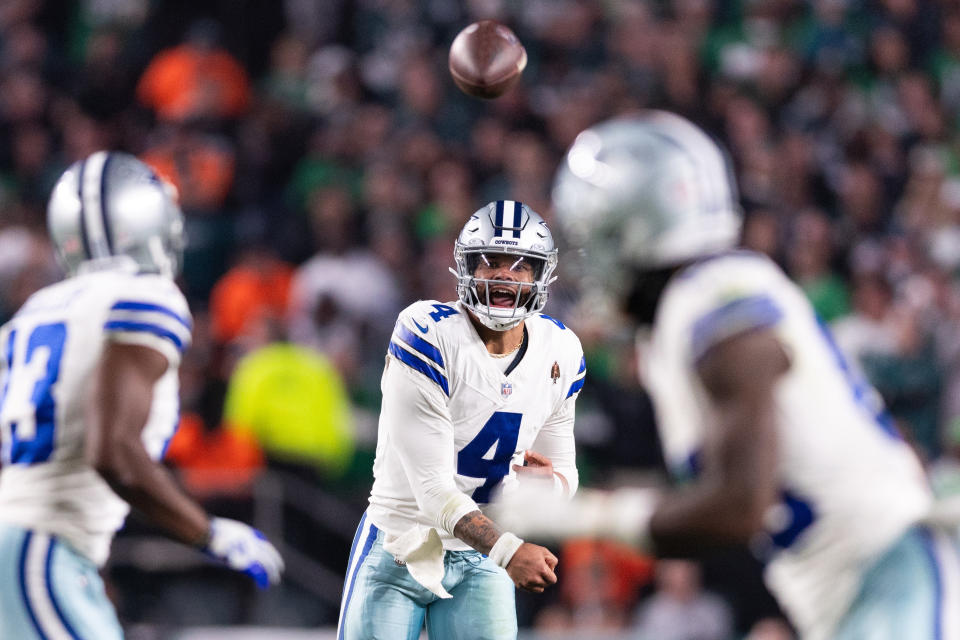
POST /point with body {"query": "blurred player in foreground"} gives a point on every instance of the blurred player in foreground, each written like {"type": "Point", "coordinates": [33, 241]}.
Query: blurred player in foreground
{"type": "Point", "coordinates": [471, 390]}
{"type": "Point", "coordinates": [90, 399]}
{"type": "Point", "coordinates": [784, 448]}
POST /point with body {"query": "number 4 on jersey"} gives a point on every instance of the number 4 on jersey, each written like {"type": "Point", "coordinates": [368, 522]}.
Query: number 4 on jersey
{"type": "Point", "coordinates": [502, 429]}
{"type": "Point", "coordinates": [441, 311]}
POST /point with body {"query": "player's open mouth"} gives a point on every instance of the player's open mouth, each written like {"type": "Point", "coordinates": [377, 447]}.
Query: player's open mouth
{"type": "Point", "coordinates": [503, 297]}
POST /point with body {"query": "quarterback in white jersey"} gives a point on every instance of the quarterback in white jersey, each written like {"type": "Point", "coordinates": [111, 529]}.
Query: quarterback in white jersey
{"type": "Point", "coordinates": [783, 447]}
{"type": "Point", "coordinates": [89, 401]}
{"type": "Point", "coordinates": [477, 394]}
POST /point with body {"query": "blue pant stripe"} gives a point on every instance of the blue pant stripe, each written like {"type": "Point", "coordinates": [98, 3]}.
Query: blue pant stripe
{"type": "Point", "coordinates": [931, 553]}
{"type": "Point", "coordinates": [48, 579]}
{"type": "Point", "coordinates": [346, 580]}
{"type": "Point", "coordinates": [23, 585]}
{"type": "Point", "coordinates": [352, 578]}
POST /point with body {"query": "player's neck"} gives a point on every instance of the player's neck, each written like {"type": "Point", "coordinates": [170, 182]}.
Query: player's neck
{"type": "Point", "coordinates": [499, 342]}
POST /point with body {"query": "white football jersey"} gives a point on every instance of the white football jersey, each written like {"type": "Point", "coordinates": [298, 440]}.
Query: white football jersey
{"type": "Point", "coordinates": [49, 350]}
{"type": "Point", "coordinates": [452, 420]}
{"type": "Point", "coordinates": [849, 485]}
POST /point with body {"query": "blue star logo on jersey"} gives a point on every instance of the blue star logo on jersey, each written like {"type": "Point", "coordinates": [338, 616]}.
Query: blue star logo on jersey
{"type": "Point", "coordinates": [506, 389]}
{"type": "Point", "coordinates": [422, 329]}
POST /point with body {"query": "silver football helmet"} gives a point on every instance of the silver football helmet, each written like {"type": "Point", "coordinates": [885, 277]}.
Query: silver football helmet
{"type": "Point", "coordinates": [111, 204]}
{"type": "Point", "coordinates": [511, 228]}
{"type": "Point", "coordinates": [646, 192]}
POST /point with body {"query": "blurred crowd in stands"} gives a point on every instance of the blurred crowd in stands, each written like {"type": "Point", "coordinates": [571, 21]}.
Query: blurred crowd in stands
{"type": "Point", "coordinates": [325, 163]}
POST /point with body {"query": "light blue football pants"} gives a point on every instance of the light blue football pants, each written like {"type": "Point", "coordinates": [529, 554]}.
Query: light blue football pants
{"type": "Point", "coordinates": [48, 591]}
{"type": "Point", "coordinates": [381, 601]}
{"type": "Point", "coordinates": [912, 592]}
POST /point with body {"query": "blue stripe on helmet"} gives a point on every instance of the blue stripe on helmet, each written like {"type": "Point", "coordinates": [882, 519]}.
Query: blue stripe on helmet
{"type": "Point", "coordinates": [83, 212]}
{"type": "Point", "coordinates": [107, 231]}
{"type": "Point", "coordinates": [498, 219]}
{"type": "Point", "coordinates": [517, 218]}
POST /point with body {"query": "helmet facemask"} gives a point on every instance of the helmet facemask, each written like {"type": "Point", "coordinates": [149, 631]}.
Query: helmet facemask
{"type": "Point", "coordinates": [524, 250]}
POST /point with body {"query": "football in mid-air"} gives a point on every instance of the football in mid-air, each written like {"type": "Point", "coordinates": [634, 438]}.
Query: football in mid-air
{"type": "Point", "coordinates": [486, 59]}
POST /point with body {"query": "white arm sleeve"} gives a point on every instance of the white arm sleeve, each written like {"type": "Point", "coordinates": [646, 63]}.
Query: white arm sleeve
{"type": "Point", "coordinates": [555, 440]}
{"type": "Point", "coordinates": [416, 418]}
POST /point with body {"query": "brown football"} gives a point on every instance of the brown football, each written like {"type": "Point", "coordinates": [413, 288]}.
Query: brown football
{"type": "Point", "coordinates": [486, 59]}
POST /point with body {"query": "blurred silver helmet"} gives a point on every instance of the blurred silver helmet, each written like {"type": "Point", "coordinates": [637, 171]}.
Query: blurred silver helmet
{"type": "Point", "coordinates": [111, 204]}
{"type": "Point", "coordinates": [646, 191]}
{"type": "Point", "coordinates": [511, 228]}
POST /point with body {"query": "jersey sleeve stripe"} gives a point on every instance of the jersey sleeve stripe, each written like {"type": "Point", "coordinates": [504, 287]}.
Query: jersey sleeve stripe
{"type": "Point", "coordinates": [420, 344]}
{"type": "Point", "coordinates": [576, 386]}
{"type": "Point", "coordinates": [131, 305]}
{"type": "Point", "coordinates": [134, 327]}
{"type": "Point", "coordinates": [583, 366]}
{"type": "Point", "coordinates": [737, 316]}
{"type": "Point", "coordinates": [151, 318]}
{"type": "Point", "coordinates": [417, 364]}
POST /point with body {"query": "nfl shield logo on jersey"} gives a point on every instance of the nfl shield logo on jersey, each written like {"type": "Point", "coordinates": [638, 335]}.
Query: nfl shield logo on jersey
{"type": "Point", "coordinates": [506, 389]}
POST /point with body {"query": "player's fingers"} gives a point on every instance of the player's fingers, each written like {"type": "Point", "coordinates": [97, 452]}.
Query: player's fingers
{"type": "Point", "coordinates": [551, 560]}
{"type": "Point", "coordinates": [534, 471]}
{"type": "Point", "coordinates": [549, 577]}
{"type": "Point", "coordinates": [535, 459]}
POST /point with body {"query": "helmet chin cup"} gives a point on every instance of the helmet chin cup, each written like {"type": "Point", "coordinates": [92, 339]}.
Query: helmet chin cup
{"type": "Point", "coordinates": [499, 319]}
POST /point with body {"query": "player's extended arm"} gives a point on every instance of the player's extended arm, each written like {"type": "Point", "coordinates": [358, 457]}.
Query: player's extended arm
{"type": "Point", "coordinates": [727, 502]}
{"type": "Point", "coordinates": [737, 483]}
{"type": "Point", "coordinates": [123, 393]}
{"type": "Point", "coordinates": [118, 411]}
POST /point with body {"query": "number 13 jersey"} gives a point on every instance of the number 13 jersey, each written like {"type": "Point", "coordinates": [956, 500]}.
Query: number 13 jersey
{"type": "Point", "coordinates": [451, 420]}
{"type": "Point", "coordinates": [50, 350]}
